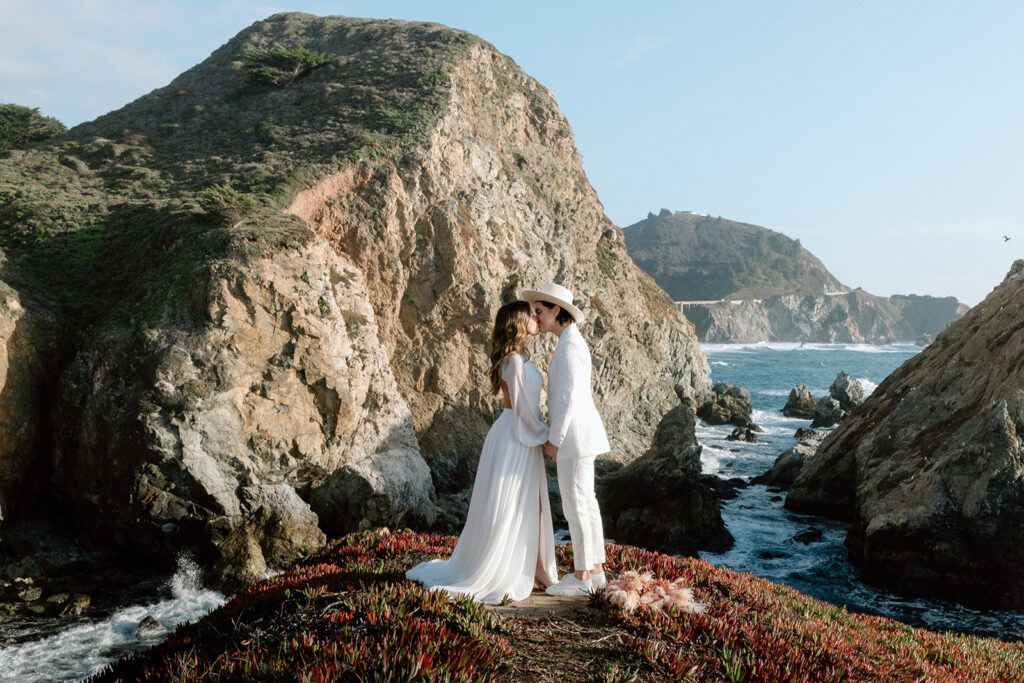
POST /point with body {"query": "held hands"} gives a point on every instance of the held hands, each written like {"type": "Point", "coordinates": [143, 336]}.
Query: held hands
{"type": "Point", "coordinates": [551, 450]}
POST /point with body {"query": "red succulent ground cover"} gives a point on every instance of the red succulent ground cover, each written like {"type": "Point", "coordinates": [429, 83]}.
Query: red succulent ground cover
{"type": "Point", "coordinates": [347, 613]}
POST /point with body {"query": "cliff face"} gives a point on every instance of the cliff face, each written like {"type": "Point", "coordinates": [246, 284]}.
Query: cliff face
{"type": "Point", "coordinates": [292, 318]}
{"type": "Point", "coordinates": [930, 469]}
{"type": "Point", "coordinates": [853, 317]}
{"type": "Point", "coordinates": [700, 258]}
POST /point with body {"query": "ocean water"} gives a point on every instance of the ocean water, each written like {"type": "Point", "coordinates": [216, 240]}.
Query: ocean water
{"type": "Point", "coordinates": [85, 649]}
{"type": "Point", "coordinates": [757, 519]}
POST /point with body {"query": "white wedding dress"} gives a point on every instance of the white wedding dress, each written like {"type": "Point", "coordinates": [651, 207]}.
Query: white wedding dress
{"type": "Point", "coordinates": [509, 519]}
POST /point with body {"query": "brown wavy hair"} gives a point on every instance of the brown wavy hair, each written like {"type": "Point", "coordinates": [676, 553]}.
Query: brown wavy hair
{"type": "Point", "coordinates": [509, 336]}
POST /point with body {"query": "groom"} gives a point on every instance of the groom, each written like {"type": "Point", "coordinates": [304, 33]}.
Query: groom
{"type": "Point", "coordinates": [575, 438]}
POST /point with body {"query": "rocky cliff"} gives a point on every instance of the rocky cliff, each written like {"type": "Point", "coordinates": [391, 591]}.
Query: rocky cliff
{"type": "Point", "coordinates": [930, 469]}
{"type": "Point", "coordinates": [851, 317]}
{"type": "Point", "coordinates": [283, 267]}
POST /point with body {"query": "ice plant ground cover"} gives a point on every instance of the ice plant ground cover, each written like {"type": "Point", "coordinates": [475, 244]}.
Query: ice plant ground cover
{"type": "Point", "coordinates": [347, 613]}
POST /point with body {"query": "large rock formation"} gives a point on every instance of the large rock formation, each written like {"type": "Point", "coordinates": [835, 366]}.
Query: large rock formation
{"type": "Point", "coordinates": [728, 404]}
{"type": "Point", "coordinates": [845, 394]}
{"type": "Point", "coordinates": [787, 466]}
{"type": "Point", "coordinates": [930, 469]}
{"type": "Point", "coordinates": [284, 282]}
{"type": "Point", "coordinates": [800, 403]}
{"type": "Point", "coordinates": [658, 501]}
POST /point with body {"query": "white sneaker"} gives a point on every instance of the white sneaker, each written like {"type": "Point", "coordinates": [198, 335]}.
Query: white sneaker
{"type": "Point", "coordinates": [598, 580]}
{"type": "Point", "coordinates": [570, 585]}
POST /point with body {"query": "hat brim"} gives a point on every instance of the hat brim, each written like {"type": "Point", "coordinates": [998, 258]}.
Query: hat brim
{"type": "Point", "coordinates": [532, 295]}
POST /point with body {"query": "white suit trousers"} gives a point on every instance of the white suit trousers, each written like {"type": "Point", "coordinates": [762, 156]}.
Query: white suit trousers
{"type": "Point", "coordinates": [579, 504]}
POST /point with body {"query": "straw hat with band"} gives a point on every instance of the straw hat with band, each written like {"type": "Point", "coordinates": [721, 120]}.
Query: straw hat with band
{"type": "Point", "coordinates": [553, 294]}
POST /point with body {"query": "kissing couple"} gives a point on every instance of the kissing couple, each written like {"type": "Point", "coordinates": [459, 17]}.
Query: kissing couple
{"type": "Point", "coordinates": [508, 543]}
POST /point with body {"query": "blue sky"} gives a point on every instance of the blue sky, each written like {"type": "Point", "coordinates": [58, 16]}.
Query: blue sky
{"type": "Point", "coordinates": [887, 136]}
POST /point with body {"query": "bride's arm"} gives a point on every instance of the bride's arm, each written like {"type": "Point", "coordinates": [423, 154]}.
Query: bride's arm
{"type": "Point", "coordinates": [529, 428]}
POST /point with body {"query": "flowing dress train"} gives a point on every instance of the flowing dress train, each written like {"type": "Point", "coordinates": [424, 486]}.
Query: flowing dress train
{"type": "Point", "coordinates": [509, 519]}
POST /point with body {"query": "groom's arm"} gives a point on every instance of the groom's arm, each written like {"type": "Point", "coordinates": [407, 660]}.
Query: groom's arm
{"type": "Point", "coordinates": [561, 406]}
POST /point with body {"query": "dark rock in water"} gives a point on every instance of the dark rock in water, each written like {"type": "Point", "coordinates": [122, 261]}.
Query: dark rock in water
{"type": "Point", "coordinates": [76, 605]}
{"type": "Point", "coordinates": [658, 500]}
{"type": "Point", "coordinates": [728, 405]}
{"type": "Point", "coordinates": [845, 395]}
{"type": "Point", "coordinates": [804, 433]}
{"type": "Point", "coordinates": [924, 340]}
{"type": "Point", "coordinates": [808, 536]}
{"type": "Point", "coordinates": [787, 466]}
{"type": "Point", "coordinates": [848, 391]}
{"type": "Point", "coordinates": [776, 499]}
{"type": "Point", "coordinates": [771, 554]}
{"type": "Point", "coordinates": [149, 627]}
{"type": "Point", "coordinates": [929, 469]}
{"type": "Point", "coordinates": [742, 434]}
{"type": "Point", "coordinates": [800, 403]}
{"type": "Point", "coordinates": [726, 489]}
{"type": "Point", "coordinates": [828, 412]}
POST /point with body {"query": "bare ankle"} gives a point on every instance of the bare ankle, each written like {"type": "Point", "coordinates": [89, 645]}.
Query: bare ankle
{"type": "Point", "coordinates": [582, 574]}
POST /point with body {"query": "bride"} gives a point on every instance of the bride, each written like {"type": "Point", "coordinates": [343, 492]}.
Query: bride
{"type": "Point", "coordinates": [507, 541]}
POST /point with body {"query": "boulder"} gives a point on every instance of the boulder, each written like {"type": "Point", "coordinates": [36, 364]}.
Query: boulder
{"type": "Point", "coordinates": [848, 391]}
{"type": "Point", "coordinates": [742, 434]}
{"type": "Point", "coordinates": [149, 627]}
{"type": "Point", "coordinates": [828, 412]}
{"type": "Point", "coordinates": [800, 403]}
{"type": "Point", "coordinates": [658, 501]}
{"type": "Point", "coordinates": [928, 470]}
{"type": "Point", "coordinates": [787, 466]}
{"type": "Point", "coordinates": [804, 433]}
{"type": "Point", "coordinates": [391, 488]}
{"type": "Point", "coordinates": [728, 405]}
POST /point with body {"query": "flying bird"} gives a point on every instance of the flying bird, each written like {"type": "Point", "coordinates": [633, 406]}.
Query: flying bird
{"type": "Point", "coordinates": [1005, 238]}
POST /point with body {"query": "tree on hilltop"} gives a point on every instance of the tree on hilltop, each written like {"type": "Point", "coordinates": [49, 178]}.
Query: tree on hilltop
{"type": "Point", "coordinates": [21, 126]}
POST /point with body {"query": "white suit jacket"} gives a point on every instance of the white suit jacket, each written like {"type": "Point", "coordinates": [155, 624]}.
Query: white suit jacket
{"type": "Point", "coordinates": [576, 428]}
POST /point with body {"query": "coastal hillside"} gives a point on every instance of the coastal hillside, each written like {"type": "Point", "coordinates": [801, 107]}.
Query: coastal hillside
{"type": "Point", "coordinates": [701, 258]}
{"type": "Point", "coordinates": [251, 308]}
{"type": "Point", "coordinates": [745, 283]}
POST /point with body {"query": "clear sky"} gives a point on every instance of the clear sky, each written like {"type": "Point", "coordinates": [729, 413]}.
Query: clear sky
{"type": "Point", "coordinates": [887, 136]}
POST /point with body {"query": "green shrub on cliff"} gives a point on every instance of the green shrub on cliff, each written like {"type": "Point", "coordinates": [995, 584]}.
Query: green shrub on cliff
{"type": "Point", "coordinates": [280, 65]}
{"type": "Point", "coordinates": [21, 126]}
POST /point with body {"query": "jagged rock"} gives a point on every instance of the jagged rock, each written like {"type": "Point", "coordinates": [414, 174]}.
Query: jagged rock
{"type": "Point", "coordinates": [728, 405]}
{"type": "Point", "coordinates": [149, 627]}
{"type": "Point", "coordinates": [658, 501]}
{"type": "Point", "coordinates": [848, 391]}
{"type": "Point", "coordinates": [845, 395]}
{"type": "Point", "coordinates": [787, 466]}
{"type": "Point", "coordinates": [804, 433]}
{"type": "Point", "coordinates": [742, 434]}
{"type": "Point", "coordinates": [808, 536]}
{"type": "Point", "coordinates": [800, 403]}
{"type": "Point", "coordinates": [725, 489]}
{"type": "Point", "coordinates": [929, 470]}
